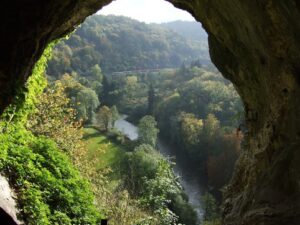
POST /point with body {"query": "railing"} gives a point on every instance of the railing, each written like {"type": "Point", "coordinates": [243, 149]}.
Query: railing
{"type": "Point", "coordinates": [137, 71]}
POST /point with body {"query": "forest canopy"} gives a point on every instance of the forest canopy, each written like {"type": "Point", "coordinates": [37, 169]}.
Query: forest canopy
{"type": "Point", "coordinates": [118, 43]}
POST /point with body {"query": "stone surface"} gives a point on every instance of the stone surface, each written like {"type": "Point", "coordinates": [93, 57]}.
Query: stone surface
{"type": "Point", "coordinates": [254, 43]}
{"type": "Point", "coordinates": [8, 210]}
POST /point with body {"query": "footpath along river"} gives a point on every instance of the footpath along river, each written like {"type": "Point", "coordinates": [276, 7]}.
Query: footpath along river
{"type": "Point", "coordinates": [188, 178]}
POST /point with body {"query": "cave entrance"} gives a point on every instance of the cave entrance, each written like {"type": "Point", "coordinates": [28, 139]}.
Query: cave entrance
{"type": "Point", "coordinates": [252, 43]}
{"type": "Point", "coordinates": [123, 62]}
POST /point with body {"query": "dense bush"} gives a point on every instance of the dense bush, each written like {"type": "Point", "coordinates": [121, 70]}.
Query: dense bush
{"type": "Point", "coordinates": [49, 189]}
{"type": "Point", "coordinates": [150, 177]}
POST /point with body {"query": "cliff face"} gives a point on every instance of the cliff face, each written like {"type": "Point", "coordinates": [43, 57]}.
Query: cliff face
{"type": "Point", "coordinates": [255, 44]}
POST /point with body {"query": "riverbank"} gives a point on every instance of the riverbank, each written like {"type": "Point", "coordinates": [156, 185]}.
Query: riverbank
{"type": "Point", "coordinates": [188, 179]}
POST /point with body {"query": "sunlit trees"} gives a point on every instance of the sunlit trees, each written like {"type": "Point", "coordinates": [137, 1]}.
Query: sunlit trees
{"type": "Point", "coordinates": [87, 102]}
{"type": "Point", "coordinates": [191, 129]}
{"type": "Point", "coordinates": [158, 192]}
{"type": "Point", "coordinates": [83, 99]}
{"type": "Point", "coordinates": [122, 44]}
{"type": "Point", "coordinates": [211, 125]}
{"type": "Point", "coordinates": [55, 118]}
{"type": "Point", "coordinates": [150, 177]}
{"type": "Point", "coordinates": [49, 188]}
{"type": "Point", "coordinates": [141, 163]}
{"type": "Point", "coordinates": [147, 130]}
{"type": "Point", "coordinates": [95, 79]}
{"type": "Point", "coordinates": [104, 118]}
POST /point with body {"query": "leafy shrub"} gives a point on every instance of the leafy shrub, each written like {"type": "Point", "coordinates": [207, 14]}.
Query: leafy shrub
{"type": "Point", "coordinates": [50, 190]}
{"type": "Point", "coordinates": [150, 178]}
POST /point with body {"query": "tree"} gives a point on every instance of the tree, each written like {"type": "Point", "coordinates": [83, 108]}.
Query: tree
{"type": "Point", "coordinates": [55, 118]}
{"type": "Point", "coordinates": [95, 78]}
{"type": "Point", "coordinates": [191, 129]}
{"type": "Point", "coordinates": [150, 177]}
{"type": "Point", "coordinates": [211, 211]}
{"type": "Point", "coordinates": [104, 118]}
{"type": "Point", "coordinates": [147, 130]}
{"type": "Point", "coordinates": [151, 98]}
{"type": "Point", "coordinates": [196, 63]}
{"type": "Point", "coordinates": [87, 102]}
{"type": "Point", "coordinates": [142, 162]}
{"type": "Point", "coordinates": [84, 99]}
{"type": "Point", "coordinates": [96, 73]}
{"type": "Point", "coordinates": [211, 125]}
{"type": "Point", "coordinates": [50, 189]}
{"type": "Point", "coordinates": [106, 88]}
{"type": "Point", "coordinates": [114, 115]}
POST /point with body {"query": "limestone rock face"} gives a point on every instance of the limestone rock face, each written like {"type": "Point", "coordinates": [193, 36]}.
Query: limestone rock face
{"type": "Point", "coordinates": [254, 43]}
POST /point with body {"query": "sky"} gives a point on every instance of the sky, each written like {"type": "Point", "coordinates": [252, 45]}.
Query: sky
{"type": "Point", "coordinates": [148, 11]}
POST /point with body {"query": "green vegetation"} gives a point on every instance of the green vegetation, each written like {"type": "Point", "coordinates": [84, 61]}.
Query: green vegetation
{"type": "Point", "coordinates": [100, 148]}
{"type": "Point", "coordinates": [150, 178]}
{"type": "Point", "coordinates": [50, 190]}
{"type": "Point", "coordinates": [106, 117]}
{"type": "Point", "coordinates": [153, 190]}
{"type": "Point", "coordinates": [148, 131]}
{"type": "Point", "coordinates": [105, 158]}
{"type": "Point", "coordinates": [83, 97]}
{"type": "Point", "coordinates": [193, 106]}
{"type": "Point", "coordinates": [64, 174]}
{"type": "Point", "coordinates": [100, 41]}
{"type": "Point", "coordinates": [195, 109]}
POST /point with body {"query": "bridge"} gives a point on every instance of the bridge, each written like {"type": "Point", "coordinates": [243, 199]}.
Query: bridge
{"type": "Point", "coordinates": [141, 71]}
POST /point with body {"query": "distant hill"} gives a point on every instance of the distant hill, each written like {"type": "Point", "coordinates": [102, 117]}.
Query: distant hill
{"type": "Point", "coordinates": [188, 29]}
{"type": "Point", "coordinates": [119, 43]}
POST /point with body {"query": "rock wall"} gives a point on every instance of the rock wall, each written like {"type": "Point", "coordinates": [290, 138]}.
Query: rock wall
{"type": "Point", "coordinates": [254, 43]}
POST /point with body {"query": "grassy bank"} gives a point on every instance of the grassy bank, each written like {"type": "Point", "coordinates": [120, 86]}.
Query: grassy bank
{"type": "Point", "coordinates": [106, 153]}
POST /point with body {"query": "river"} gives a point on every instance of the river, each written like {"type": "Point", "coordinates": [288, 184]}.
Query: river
{"type": "Point", "coordinates": [188, 179]}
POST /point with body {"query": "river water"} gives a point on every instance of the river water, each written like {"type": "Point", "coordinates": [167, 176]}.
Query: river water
{"type": "Point", "coordinates": [188, 179]}
{"type": "Point", "coordinates": [126, 128]}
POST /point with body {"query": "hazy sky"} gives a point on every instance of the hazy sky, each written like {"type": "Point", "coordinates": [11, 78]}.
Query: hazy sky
{"type": "Point", "coordinates": [149, 11]}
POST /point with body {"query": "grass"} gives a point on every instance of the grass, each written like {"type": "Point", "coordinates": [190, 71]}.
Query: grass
{"type": "Point", "coordinates": [106, 153]}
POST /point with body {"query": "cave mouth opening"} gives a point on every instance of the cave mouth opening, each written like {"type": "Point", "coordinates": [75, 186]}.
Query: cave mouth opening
{"type": "Point", "coordinates": [267, 33]}
{"type": "Point", "coordinates": [78, 61]}
{"type": "Point", "coordinates": [114, 69]}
